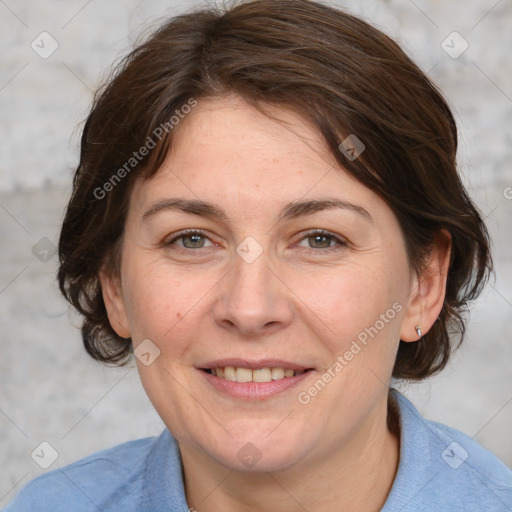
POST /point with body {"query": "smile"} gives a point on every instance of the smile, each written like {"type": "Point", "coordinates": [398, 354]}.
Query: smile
{"type": "Point", "coordinates": [249, 375]}
{"type": "Point", "coordinates": [253, 380]}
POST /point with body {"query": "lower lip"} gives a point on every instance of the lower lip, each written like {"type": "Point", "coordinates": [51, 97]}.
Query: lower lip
{"type": "Point", "coordinates": [254, 390]}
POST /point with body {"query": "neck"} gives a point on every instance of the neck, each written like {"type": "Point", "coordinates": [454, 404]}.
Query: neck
{"type": "Point", "coordinates": [355, 476]}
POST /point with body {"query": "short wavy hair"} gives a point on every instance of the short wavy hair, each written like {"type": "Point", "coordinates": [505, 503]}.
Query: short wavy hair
{"type": "Point", "coordinates": [332, 68]}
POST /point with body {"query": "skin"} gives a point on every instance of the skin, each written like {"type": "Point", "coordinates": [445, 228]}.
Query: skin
{"type": "Point", "coordinates": [304, 299]}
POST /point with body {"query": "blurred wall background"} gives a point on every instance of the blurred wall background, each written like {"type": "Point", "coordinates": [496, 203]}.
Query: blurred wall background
{"type": "Point", "coordinates": [53, 56]}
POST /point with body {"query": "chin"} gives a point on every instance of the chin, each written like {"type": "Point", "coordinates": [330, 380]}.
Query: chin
{"type": "Point", "coordinates": [261, 451]}
{"type": "Point", "coordinates": [249, 458]}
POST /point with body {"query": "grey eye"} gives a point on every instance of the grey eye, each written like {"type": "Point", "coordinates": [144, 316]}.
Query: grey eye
{"type": "Point", "coordinates": [196, 241]}
{"type": "Point", "coordinates": [319, 241]}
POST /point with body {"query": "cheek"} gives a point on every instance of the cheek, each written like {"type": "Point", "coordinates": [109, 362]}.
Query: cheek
{"type": "Point", "coordinates": [164, 304]}
{"type": "Point", "coordinates": [359, 308]}
{"type": "Point", "coordinates": [156, 301]}
{"type": "Point", "coordinates": [350, 299]}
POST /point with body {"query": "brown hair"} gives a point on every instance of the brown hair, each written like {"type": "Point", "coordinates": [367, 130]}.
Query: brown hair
{"type": "Point", "coordinates": [335, 70]}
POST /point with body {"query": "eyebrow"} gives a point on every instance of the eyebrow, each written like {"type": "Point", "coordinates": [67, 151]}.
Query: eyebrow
{"type": "Point", "coordinates": [290, 211]}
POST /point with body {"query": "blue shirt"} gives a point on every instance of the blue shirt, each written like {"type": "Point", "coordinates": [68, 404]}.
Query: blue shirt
{"type": "Point", "coordinates": [440, 469]}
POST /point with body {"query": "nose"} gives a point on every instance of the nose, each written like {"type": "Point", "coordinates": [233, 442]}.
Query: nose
{"type": "Point", "coordinates": [253, 301]}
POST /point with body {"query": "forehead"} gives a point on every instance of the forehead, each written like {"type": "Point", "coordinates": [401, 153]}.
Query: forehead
{"type": "Point", "coordinates": [228, 151]}
{"type": "Point", "coordinates": [234, 134]}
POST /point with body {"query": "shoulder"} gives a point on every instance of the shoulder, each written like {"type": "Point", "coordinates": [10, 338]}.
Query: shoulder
{"type": "Point", "coordinates": [478, 476]}
{"type": "Point", "coordinates": [440, 465]}
{"type": "Point", "coordinates": [86, 484]}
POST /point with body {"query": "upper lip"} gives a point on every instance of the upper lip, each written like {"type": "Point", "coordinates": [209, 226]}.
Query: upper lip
{"type": "Point", "coordinates": [253, 364]}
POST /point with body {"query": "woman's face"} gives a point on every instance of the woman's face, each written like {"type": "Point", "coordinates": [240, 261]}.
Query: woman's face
{"type": "Point", "coordinates": [296, 266]}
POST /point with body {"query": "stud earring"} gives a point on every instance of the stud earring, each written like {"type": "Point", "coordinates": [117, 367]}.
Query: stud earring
{"type": "Point", "coordinates": [418, 330]}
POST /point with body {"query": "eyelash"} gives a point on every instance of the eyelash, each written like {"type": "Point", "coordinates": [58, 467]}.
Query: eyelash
{"type": "Point", "coordinates": [340, 242]}
{"type": "Point", "coordinates": [312, 233]}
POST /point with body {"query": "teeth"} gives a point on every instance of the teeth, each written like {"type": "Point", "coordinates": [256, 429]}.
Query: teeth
{"type": "Point", "coordinates": [243, 375]}
{"type": "Point", "coordinates": [230, 373]}
{"type": "Point", "coordinates": [277, 373]}
{"type": "Point", "coordinates": [261, 375]}
{"type": "Point", "coordinates": [258, 375]}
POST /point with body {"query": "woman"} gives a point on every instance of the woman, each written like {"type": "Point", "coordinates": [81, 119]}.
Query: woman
{"type": "Point", "coordinates": [267, 214]}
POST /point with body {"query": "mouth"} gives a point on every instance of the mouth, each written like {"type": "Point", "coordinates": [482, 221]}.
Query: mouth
{"type": "Point", "coordinates": [253, 380]}
{"type": "Point", "coordinates": [265, 374]}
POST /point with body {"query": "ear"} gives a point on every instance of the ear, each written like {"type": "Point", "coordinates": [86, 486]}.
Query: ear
{"type": "Point", "coordinates": [428, 290]}
{"type": "Point", "coordinates": [114, 303]}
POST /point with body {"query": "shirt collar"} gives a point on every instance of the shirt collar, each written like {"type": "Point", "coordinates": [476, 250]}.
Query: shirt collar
{"type": "Point", "coordinates": [163, 477]}
{"type": "Point", "coordinates": [414, 468]}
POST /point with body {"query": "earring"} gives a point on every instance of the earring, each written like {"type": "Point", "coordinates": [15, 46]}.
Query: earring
{"type": "Point", "coordinates": [418, 330]}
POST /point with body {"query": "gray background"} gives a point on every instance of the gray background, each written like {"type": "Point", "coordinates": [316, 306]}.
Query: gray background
{"type": "Point", "coordinates": [49, 389]}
